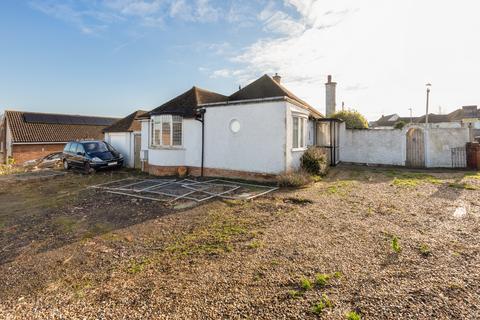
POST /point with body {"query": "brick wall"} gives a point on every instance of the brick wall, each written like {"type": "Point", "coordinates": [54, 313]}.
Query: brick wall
{"type": "Point", "coordinates": [25, 152]}
{"type": "Point", "coordinates": [211, 172]}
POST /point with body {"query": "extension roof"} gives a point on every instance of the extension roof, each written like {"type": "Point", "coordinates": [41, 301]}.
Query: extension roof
{"type": "Point", "coordinates": [186, 104]}
{"type": "Point", "coordinates": [127, 124]}
{"type": "Point", "coordinates": [33, 127]}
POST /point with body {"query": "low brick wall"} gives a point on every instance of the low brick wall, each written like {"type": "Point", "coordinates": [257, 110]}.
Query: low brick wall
{"type": "Point", "coordinates": [25, 152]}
{"type": "Point", "coordinates": [210, 172]}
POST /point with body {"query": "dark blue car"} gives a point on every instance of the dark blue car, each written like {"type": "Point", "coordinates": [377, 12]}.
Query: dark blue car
{"type": "Point", "coordinates": [91, 156]}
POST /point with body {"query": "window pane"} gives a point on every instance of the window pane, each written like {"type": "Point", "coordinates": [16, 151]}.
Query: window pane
{"type": "Point", "coordinates": [302, 133]}
{"type": "Point", "coordinates": [177, 133]}
{"type": "Point", "coordinates": [295, 132]}
{"type": "Point", "coordinates": [156, 133]}
{"type": "Point", "coordinates": [166, 134]}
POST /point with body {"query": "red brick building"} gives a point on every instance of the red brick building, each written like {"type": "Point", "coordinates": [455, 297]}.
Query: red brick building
{"type": "Point", "coordinates": [27, 135]}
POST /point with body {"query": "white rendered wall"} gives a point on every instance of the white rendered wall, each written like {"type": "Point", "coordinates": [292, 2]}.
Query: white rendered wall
{"type": "Point", "coordinates": [259, 146]}
{"type": "Point", "coordinates": [440, 142]}
{"type": "Point", "coordinates": [123, 143]}
{"type": "Point", "coordinates": [379, 146]}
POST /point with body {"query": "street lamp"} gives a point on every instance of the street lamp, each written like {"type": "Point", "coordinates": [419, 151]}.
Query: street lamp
{"type": "Point", "coordinates": [428, 85]}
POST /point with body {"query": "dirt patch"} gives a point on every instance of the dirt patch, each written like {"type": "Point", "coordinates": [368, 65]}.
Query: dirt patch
{"type": "Point", "coordinates": [355, 243]}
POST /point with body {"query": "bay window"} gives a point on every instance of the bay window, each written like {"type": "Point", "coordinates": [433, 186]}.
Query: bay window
{"type": "Point", "coordinates": [299, 132]}
{"type": "Point", "coordinates": [166, 131]}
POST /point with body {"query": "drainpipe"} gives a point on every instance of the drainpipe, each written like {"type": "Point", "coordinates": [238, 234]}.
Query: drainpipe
{"type": "Point", "coordinates": [200, 116]}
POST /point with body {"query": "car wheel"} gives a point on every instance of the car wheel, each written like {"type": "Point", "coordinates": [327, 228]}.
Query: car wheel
{"type": "Point", "coordinates": [66, 166]}
{"type": "Point", "coordinates": [88, 169]}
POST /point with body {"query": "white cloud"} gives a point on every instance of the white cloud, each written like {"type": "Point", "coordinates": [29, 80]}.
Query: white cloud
{"type": "Point", "coordinates": [380, 52]}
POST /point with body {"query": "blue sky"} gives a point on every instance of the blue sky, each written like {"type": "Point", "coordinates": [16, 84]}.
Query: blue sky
{"type": "Point", "coordinates": [111, 57]}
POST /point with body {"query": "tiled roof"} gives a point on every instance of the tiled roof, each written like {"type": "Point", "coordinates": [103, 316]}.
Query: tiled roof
{"type": "Point", "coordinates": [36, 132]}
{"type": "Point", "coordinates": [187, 103]}
{"type": "Point", "coordinates": [127, 124]}
{"type": "Point", "coordinates": [266, 87]}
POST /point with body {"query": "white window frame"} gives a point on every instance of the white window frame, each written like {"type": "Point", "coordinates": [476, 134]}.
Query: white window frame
{"type": "Point", "coordinates": [302, 134]}
{"type": "Point", "coordinates": [160, 120]}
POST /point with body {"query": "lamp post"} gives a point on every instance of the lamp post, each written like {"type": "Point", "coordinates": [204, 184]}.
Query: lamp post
{"type": "Point", "coordinates": [428, 85]}
{"type": "Point", "coordinates": [411, 118]}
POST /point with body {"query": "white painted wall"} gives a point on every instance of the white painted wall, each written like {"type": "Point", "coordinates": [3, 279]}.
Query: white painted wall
{"type": "Point", "coordinates": [259, 146]}
{"type": "Point", "coordinates": [293, 155]}
{"type": "Point", "coordinates": [439, 144]}
{"type": "Point", "coordinates": [378, 146]}
{"type": "Point", "coordinates": [123, 142]}
{"type": "Point", "coordinates": [388, 146]}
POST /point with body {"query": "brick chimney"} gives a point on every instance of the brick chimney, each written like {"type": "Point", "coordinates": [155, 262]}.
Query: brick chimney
{"type": "Point", "coordinates": [330, 97]}
{"type": "Point", "coordinates": [277, 78]}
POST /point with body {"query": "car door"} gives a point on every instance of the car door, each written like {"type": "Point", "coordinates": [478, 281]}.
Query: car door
{"type": "Point", "coordinates": [79, 155]}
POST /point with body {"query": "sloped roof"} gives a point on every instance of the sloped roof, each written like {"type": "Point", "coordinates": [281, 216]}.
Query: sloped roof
{"type": "Point", "coordinates": [266, 87]}
{"type": "Point", "coordinates": [434, 118]}
{"type": "Point", "coordinates": [385, 121]}
{"type": "Point", "coordinates": [127, 124]}
{"type": "Point", "coordinates": [28, 127]}
{"type": "Point", "coordinates": [186, 104]}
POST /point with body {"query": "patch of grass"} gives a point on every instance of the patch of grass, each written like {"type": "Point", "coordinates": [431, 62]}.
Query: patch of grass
{"type": "Point", "coordinates": [463, 185]}
{"type": "Point", "coordinates": [220, 231]}
{"type": "Point", "coordinates": [305, 284]}
{"type": "Point", "coordinates": [395, 245]}
{"type": "Point", "coordinates": [79, 287]}
{"type": "Point", "coordinates": [322, 279]}
{"type": "Point", "coordinates": [295, 294]}
{"type": "Point", "coordinates": [137, 266]}
{"type": "Point", "coordinates": [424, 250]}
{"type": "Point", "coordinates": [472, 175]}
{"type": "Point", "coordinates": [298, 201]}
{"type": "Point", "coordinates": [98, 228]}
{"type": "Point", "coordinates": [352, 315]}
{"type": "Point", "coordinates": [340, 188]}
{"type": "Point", "coordinates": [65, 224]}
{"type": "Point", "coordinates": [255, 244]}
{"type": "Point", "coordinates": [414, 179]}
{"type": "Point", "coordinates": [321, 305]}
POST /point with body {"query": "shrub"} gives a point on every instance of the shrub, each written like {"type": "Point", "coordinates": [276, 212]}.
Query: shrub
{"type": "Point", "coordinates": [314, 161]}
{"type": "Point", "coordinates": [352, 118]}
{"type": "Point", "coordinates": [399, 124]}
{"type": "Point", "coordinates": [295, 179]}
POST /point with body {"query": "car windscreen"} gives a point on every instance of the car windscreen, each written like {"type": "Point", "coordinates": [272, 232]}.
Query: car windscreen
{"type": "Point", "coordinates": [95, 147]}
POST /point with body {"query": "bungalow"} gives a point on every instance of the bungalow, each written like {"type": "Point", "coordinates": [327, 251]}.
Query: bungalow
{"type": "Point", "coordinates": [27, 135]}
{"type": "Point", "coordinates": [256, 133]}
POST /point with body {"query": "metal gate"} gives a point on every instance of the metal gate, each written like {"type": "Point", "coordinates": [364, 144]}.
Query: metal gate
{"type": "Point", "coordinates": [415, 148]}
{"type": "Point", "coordinates": [459, 157]}
{"type": "Point", "coordinates": [327, 136]}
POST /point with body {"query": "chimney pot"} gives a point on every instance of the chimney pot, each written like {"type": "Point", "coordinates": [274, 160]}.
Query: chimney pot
{"type": "Point", "coordinates": [277, 78]}
{"type": "Point", "coordinates": [329, 79]}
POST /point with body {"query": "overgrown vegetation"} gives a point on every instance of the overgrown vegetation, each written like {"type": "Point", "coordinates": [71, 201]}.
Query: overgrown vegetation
{"type": "Point", "coordinates": [10, 169]}
{"type": "Point", "coordinates": [306, 284]}
{"type": "Point", "coordinates": [463, 185]}
{"type": "Point", "coordinates": [314, 161]}
{"type": "Point", "coordinates": [137, 266]}
{"type": "Point", "coordinates": [353, 119]}
{"type": "Point", "coordinates": [340, 187]}
{"type": "Point", "coordinates": [295, 179]}
{"type": "Point", "coordinates": [399, 124]}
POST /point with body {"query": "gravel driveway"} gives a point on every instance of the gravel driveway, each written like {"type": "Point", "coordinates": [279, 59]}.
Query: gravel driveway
{"type": "Point", "coordinates": [383, 243]}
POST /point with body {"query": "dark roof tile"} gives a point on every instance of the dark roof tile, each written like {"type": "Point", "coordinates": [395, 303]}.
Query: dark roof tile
{"type": "Point", "coordinates": [128, 124]}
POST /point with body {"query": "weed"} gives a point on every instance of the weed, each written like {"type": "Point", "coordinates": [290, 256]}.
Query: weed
{"type": "Point", "coordinates": [80, 287]}
{"type": "Point", "coordinates": [395, 244]}
{"type": "Point", "coordinates": [321, 305]}
{"type": "Point", "coordinates": [137, 266]}
{"type": "Point", "coordinates": [463, 185]}
{"type": "Point", "coordinates": [337, 274]}
{"type": "Point", "coordinates": [425, 250]}
{"type": "Point", "coordinates": [321, 279]}
{"type": "Point", "coordinates": [294, 179]}
{"type": "Point", "coordinates": [255, 244]}
{"type": "Point", "coordinates": [306, 284]}
{"type": "Point", "coordinates": [294, 294]}
{"type": "Point", "coordinates": [65, 224]}
{"type": "Point", "coordinates": [340, 187]}
{"type": "Point", "coordinates": [352, 315]}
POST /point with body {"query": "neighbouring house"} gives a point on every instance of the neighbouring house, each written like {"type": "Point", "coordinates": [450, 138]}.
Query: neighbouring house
{"type": "Point", "coordinates": [255, 133]}
{"type": "Point", "coordinates": [125, 136]}
{"type": "Point", "coordinates": [29, 135]}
